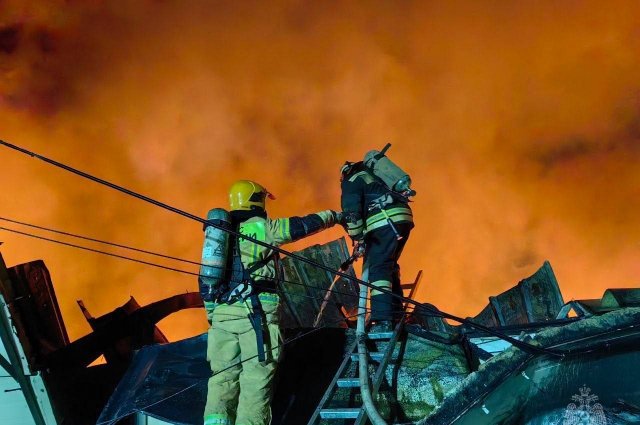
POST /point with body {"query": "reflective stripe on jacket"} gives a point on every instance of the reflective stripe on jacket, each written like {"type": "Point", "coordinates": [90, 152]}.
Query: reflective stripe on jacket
{"type": "Point", "coordinates": [397, 214]}
{"type": "Point", "coordinates": [360, 190]}
{"type": "Point", "coordinates": [276, 232]}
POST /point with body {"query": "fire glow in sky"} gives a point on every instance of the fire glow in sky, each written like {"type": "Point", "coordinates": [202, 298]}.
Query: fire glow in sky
{"type": "Point", "coordinates": [518, 121]}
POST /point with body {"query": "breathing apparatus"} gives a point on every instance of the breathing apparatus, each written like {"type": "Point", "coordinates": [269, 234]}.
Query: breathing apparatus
{"type": "Point", "coordinates": [394, 177]}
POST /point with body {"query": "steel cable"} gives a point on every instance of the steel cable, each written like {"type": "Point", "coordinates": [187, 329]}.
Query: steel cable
{"type": "Point", "coordinates": [524, 346]}
{"type": "Point", "coordinates": [122, 257]}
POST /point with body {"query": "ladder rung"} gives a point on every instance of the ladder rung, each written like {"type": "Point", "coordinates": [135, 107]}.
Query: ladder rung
{"type": "Point", "coordinates": [407, 285]}
{"type": "Point", "coordinates": [349, 382]}
{"type": "Point", "coordinates": [379, 335]}
{"type": "Point", "coordinates": [345, 413]}
{"type": "Point", "coordinates": [375, 355]}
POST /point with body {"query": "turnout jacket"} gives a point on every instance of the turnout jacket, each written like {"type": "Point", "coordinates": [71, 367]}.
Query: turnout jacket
{"type": "Point", "coordinates": [364, 196]}
{"type": "Point", "coordinates": [262, 261]}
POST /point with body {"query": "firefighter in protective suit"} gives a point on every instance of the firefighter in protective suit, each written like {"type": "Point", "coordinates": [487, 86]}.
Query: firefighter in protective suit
{"type": "Point", "coordinates": [378, 221]}
{"type": "Point", "coordinates": [240, 389]}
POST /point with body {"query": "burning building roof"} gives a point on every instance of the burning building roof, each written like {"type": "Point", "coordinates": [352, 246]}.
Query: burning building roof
{"type": "Point", "coordinates": [442, 373]}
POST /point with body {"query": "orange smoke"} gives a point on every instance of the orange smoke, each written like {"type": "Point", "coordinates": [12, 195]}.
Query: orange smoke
{"type": "Point", "coordinates": [519, 123]}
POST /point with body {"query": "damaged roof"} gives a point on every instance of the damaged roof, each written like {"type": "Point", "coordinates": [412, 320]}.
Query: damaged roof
{"type": "Point", "coordinates": [443, 374]}
{"type": "Point", "coordinates": [438, 377]}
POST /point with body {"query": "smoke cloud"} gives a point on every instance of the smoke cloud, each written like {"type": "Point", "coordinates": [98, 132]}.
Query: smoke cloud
{"type": "Point", "coordinates": [519, 123]}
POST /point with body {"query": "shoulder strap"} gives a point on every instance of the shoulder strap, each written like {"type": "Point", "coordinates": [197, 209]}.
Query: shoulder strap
{"type": "Point", "coordinates": [248, 271]}
{"type": "Point", "coordinates": [365, 175]}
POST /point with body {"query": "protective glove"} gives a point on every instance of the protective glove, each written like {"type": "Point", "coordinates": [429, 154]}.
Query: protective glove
{"type": "Point", "coordinates": [358, 251]}
{"type": "Point", "coordinates": [338, 217]}
{"type": "Point", "coordinates": [358, 248]}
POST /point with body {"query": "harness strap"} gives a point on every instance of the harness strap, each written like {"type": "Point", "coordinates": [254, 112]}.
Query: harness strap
{"type": "Point", "coordinates": [255, 317]}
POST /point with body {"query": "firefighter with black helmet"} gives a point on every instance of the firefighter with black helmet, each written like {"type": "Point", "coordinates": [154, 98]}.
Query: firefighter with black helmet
{"type": "Point", "coordinates": [378, 218]}
{"type": "Point", "coordinates": [244, 338]}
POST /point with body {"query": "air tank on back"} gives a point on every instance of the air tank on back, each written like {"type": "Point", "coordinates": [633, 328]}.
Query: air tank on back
{"type": "Point", "coordinates": [215, 253]}
{"type": "Point", "coordinates": [392, 175]}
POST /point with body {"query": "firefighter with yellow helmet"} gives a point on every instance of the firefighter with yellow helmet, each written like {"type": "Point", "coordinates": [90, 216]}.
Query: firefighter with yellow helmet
{"type": "Point", "coordinates": [244, 338]}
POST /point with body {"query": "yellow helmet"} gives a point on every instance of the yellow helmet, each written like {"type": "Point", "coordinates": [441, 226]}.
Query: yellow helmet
{"type": "Point", "coordinates": [247, 195]}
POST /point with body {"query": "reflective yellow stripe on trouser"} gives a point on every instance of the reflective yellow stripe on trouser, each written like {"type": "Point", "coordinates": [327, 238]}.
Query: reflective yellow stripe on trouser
{"type": "Point", "coordinates": [384, 284]}
{"type": "Point", "coordinates": [240, 389]}
{"type": "Point", "coordinates": [217, 420]}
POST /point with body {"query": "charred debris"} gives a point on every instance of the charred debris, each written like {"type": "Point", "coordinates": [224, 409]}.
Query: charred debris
{"type": "Point", "coordinates": [440, 374]}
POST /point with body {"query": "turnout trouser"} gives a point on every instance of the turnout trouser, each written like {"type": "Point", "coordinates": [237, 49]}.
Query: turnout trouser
{"type": "Point", "coordinates": [240, 388]}
{"type": "Point", "coordinates": [381, 256]}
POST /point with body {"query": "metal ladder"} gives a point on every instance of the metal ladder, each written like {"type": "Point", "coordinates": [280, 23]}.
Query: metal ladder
{"type": "Point", "coordinates": [341, 381]}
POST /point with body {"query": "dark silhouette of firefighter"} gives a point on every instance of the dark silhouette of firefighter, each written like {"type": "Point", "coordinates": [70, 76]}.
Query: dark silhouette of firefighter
{"type": "Point", "coordinates": [378, 218]}
{"type": "Point", "coordinates": [239, 287]}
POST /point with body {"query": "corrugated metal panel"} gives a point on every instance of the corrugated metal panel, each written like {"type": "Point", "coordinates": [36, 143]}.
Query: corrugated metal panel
{"type": "Point", "coordinates": [486, 317]}
{"type": "Point", "coordinates": [34, 308]}
{"type": "Point", "coordinates": [509, 307]}
{"type": "Point", "coordinates": [611, 300]}
{"type": "Point", "coordinates": [305, 287]}
{"type": "Point", "coordinates": [615, 298]}
{"type": "Point", "coordinates": [534, 299]}
{"type": "Point", "coordinates": [542, 294]}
